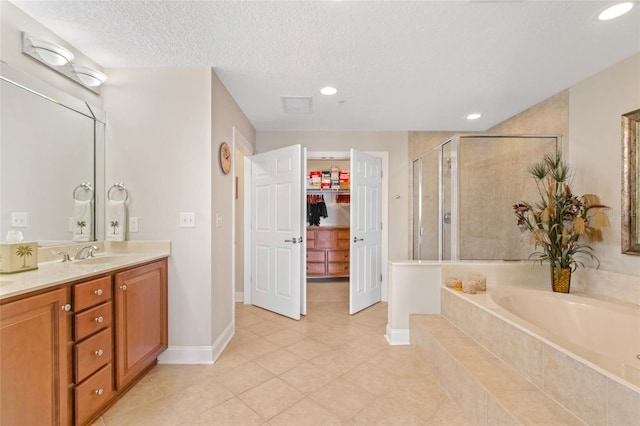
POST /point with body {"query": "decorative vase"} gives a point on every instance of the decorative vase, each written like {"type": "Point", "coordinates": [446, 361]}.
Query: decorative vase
{"type": "Point", "coordinates": [562, 283]}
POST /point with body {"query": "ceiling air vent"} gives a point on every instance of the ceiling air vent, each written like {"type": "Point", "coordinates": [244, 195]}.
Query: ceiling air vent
{"type": "Point", "coordinates": [297, 105]}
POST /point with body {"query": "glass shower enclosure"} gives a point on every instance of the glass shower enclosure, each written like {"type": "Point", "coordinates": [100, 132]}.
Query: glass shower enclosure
{"type": "Point", "coordinates": [463, 193]}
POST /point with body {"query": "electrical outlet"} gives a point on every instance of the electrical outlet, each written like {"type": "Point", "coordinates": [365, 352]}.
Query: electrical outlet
{"type": "Point", "coordinates": [19, 220]}
{"type": "Point", "coordinates": [187, 220]}
{"type": "Point", "coordinates": [133, 224]}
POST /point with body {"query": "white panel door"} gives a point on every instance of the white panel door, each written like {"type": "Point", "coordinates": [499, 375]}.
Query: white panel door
{"type": "Point", "coordinates": [277, 228]}
{"type": "Point", "coordinates": [366, 234]}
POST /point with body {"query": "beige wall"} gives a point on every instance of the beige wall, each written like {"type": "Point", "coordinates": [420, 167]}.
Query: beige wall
{"type": "Point", "coordinates": [395, 143]}
{"type": "Point", "coordinates": [595, 108]}
{"type": "Point", "coordinates": [226, 115]}
{"type": "Point", "coordinates": [158, 144]}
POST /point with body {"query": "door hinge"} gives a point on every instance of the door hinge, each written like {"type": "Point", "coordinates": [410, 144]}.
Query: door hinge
{"type": "Point", "coordinates": [381, 174]}
{"type": "Point", "coordinates": [381, 226]}
{"type": "Point", "coordinates": [380, 277]}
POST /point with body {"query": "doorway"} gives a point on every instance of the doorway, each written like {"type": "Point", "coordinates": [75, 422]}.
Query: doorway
{"type": "Point", "coordinates": [276, 254]}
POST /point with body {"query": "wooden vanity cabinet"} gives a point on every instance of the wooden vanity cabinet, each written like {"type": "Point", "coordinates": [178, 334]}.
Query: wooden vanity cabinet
{"type": "Point", "coordinates": [328, 251]}
{"type": "Point", "coordinates": [140, 294]}
{"type": "Point", "coordinates": [34, 361]}
{"type": "Point", "coordinates": [67, 354]}
{"type": "Point", "coordinates": [93, 346]}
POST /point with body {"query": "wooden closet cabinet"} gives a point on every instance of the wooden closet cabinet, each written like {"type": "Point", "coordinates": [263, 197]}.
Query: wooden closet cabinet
{"type": "Point", "coordinates": [34, 360]}
{"type": "Point", "coordinates": [328, 251]}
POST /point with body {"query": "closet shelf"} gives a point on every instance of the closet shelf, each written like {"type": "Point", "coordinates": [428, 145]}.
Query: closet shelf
{"type": "Point", "coordinates": [321, 190]}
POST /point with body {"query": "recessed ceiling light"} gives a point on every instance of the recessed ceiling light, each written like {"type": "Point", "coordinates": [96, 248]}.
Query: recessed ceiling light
{"type": "Point", "coordinates": [328, 90]}
{"type": "Point", "coordinates": [615, 11]}
{"type": "Point", "coordinates": [473, 116]}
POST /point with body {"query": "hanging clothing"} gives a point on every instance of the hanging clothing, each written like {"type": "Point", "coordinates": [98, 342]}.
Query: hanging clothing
{"type": "Point", "coordinates": [316, 209]}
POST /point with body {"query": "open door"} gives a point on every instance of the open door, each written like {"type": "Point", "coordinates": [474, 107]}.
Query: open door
{"type": "Point", "coordinates": [277, 231]}
{"type": "Point", "coordinates": [365, 282]}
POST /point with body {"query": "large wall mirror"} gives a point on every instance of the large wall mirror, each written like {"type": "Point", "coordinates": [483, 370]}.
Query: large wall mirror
{"type": "Point", "coordinates": [631, 182]}
{"type": "Point", "coordinates": [51, 152]}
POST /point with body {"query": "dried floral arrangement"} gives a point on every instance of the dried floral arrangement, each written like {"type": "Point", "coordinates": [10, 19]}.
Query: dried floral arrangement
{"type": "Point", "coordinates": [560, 222]}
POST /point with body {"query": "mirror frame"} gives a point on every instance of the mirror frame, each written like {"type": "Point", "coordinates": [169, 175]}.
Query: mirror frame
{"type": "Point", "coordinates": [630, 182]}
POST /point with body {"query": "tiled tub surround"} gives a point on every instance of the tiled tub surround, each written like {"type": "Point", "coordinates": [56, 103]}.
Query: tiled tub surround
{"type": "Point", "coordinates": [561, 369]}
{"type": "Point", "coordinates": [51, 271]}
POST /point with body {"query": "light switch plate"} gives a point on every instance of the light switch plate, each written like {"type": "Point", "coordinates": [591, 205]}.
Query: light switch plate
{"type": "Point", "coordinates": [187, 220]}
{"type": "Point", "coordinates": [133, 224]}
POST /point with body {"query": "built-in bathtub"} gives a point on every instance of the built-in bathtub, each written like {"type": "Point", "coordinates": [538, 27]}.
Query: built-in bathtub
{"type": "Point", "coordinates": [601, 332]}
{"type": "Point", "coordinates": [580, 350]}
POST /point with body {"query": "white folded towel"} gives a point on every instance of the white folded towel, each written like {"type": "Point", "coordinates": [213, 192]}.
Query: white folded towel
{"type": "Point", "coordinates": [116, 220]}
{"type": "Point", "coordinates": [82, 226]}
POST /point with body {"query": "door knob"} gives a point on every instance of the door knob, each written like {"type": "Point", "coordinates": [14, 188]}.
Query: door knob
{"type": "Point", "coordinates": [294, 240]}
{"type": "Point", "coordinates": [356, 239]}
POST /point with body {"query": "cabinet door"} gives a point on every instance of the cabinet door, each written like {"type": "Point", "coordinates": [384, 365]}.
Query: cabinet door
{"type": "Point", "coordinates": [141, 319]}
{"type": "Point", "coordinates": [33, 361]}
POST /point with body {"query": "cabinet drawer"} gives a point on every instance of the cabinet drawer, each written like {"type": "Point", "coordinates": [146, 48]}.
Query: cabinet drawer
{"type": "Point", "coordinates": [339, 256]}
{"type": "Point", "coordinates": [93, 393]}
{"type": "Point", "coordinates": [343, 244]}
{"type": "Point", "coordinates": [316, 269]}
{"type": "Point", "coordinates": [343, 234]}
{"type": "Point", "coordinates": [316, 256]}
{"type": "Point", "coordinates": [92, 320]}
{"type": "Point", "coordinates": [326, 238]}
{"type": "Point", "coordinates": [91, 293]}
{"type": "Point", "coordinates": [92, 354]}
{"type": "Point", "coordinates": [338, 268]}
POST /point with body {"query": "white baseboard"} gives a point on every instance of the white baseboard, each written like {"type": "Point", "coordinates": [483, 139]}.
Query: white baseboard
{"type": "Point", "coordinates": [397, 336]}
{"type": "Point", "coordinates": [198, 354]}
{"type": "Point", "coordinates": [239, 296]}
{"type": "Point", "coordinates": [223, 340]}
{"type": "Point", "coordinates": [187, 355]}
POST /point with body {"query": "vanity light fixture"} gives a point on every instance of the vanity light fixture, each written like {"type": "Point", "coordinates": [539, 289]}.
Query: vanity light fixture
{"type": "Point", "coordinates": [615, 11]}
{"type": "Point", "coordinates": [328, 91]}
{"type": "Point", "coordinates": [473, 116]}
{"type": "Point", "coordinates": [89, 76]}
{"type": "Point", "coordinates": [52, 54]}
{"type": "Point", "coordinates": [61, 60]}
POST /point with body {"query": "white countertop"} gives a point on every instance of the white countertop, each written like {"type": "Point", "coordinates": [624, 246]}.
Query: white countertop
{"type": "Point", "coordinates": [111, 256]}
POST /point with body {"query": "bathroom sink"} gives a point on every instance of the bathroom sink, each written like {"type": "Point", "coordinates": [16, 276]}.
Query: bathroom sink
{"type": "Point", "coordinates": [100, 259]}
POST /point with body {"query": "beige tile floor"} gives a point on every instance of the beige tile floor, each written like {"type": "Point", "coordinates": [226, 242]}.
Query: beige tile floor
{"type": "Point", "coordinates": [330, 368]}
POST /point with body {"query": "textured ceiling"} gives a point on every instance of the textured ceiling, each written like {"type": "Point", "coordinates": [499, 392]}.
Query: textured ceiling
{"type": "Point", "coordinates": [398, 65]}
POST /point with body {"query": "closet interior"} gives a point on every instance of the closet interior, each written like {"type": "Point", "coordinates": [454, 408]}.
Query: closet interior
{"type": "Point", "coordinates": [328, 217]}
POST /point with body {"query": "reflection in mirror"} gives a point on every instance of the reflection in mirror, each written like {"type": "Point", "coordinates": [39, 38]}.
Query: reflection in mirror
{"type": "Point", "coordinates": [630, 182]}
{"type": "Point", "coordinates": [47, 146]}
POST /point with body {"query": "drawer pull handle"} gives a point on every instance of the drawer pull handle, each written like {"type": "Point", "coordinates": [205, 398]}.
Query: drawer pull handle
{"type": "Point", "coordinates": [99, 319]}
{"type": "Point", "coordinates": [123, 287]}
{"type": "Point", "coordinates": [346, 267]}
{"type": "Point", "coordinates": [99, 352]}
{"type": "Point", "coordinates": [98, 292]}
{"type": "Point", "coordinates": [66, 307]}
{"type": "Point", "coordinates": [346, 255]}
{"type": "Point", "coordinates": [99, 391]}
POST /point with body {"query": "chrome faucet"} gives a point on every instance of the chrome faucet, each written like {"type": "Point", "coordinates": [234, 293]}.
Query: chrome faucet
{"type": "Point", "coordinates": [85, 252]}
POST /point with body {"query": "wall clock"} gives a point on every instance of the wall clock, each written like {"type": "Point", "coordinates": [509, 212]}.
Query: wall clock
{"type": "Point", "coordinates": [225, 158]}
